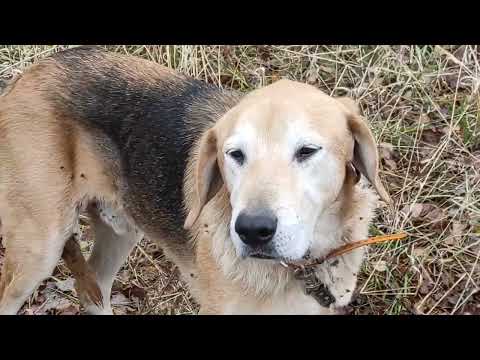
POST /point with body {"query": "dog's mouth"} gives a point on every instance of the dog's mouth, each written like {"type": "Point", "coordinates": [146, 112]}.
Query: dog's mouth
{"type": "Point", "coordinates": [262, 256]}
{"type": "Point", "coordinates": [269, 256]}
{"type": "Point", "coordinates": [265, 253]}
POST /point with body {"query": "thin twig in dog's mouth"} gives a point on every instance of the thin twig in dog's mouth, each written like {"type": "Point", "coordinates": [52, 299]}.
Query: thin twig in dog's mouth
{"type": "Point", "coordinates": [344, 249]}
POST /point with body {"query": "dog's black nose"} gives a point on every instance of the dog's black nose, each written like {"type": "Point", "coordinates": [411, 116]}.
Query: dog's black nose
{"type": "Point", "coordinates": [256, 229]}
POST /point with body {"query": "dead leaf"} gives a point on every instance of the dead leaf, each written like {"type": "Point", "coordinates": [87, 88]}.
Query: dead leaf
{"type": "Point", "coordinates": [453, 299]}
{"type": "Point", "coordinates": [84, 245]}
{"type": "Point", "coordinates": [458, 229]}
{"type": "Point", "coordinates": [380, 266]}
{"type": "Point", "coordinates": [312, 76]}
{"type": "Point", "coordinates": [414, 211]}
{"type": "Point", "coordinates": [264, 52]}
{"type": "Point", "coordinates": [122, 304]}
{"type": "Point", "coordinates": [40, 298]}
{"type": "Point", "coordinates": [136, 291]}
{"type": "Point", "coordinates": [54, 302]}
{"type": "Point", "coordinates": [50, 284]}
{"type": "Point", "coordinates": [426, 153]}
{"type": "Point", "coordinates": [419, 252]}
{"type": "Point", "coordinates": [418, 308]}
{"type": "Point", "coordinates": [424, 212]}
{"type": "Point", "coordinates": [472, 307]}
{"type": "Point", "coordinates": [275, 77]}
{"type": "Point", "coordinates": [476, 230]}
{"type": "Point", "coordinates": [69, 310]}
{"type": "Point", "coordinates": [459, 52]}
{"type": "Point", "coordinates": [227, 51]}
{"type": "Point", "coordinates": [446, 129]}
{"type": "Point", "coordinates": [403, 54]}
{"type": "Point", "coordinates": [119, 299]}
{"type": "Point", "coordinates": [386, 149]}
{"type": "Point", "coordinates": [475, 160]}
{"type": "Point", "coordinates": [426, 282]}
{"type": "Point", "coordinates": [66, 285]}
{"type": "Point", "coordinates": [424, 119]}
{"type": "Point", "coordinates": [387, 155]}
{"type": "Point", "coordinates": [432, 136]}
{"type": "Point", "coordinates": [34, 309]}
{"type": "Point", "coordinates": [123, 276]}
{"type": "Point", "coordinates": [437, 217]}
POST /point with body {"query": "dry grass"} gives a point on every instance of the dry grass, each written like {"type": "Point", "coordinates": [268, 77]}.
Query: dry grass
{"type": "Point", "coordinates": [423, 103]}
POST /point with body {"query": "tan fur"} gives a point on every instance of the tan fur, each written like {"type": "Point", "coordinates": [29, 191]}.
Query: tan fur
{"type": "Point", "coordinates": [39, 183]}
{"type": "Point", "coordinates": [43, 186]}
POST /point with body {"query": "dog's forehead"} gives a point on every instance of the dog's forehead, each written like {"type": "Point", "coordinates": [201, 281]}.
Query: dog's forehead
{"type": "Point", "coordinates": [277, 115]}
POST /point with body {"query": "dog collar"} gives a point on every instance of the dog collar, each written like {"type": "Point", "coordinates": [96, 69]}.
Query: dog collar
{"type": "Point", "coordinates": [312, 285]}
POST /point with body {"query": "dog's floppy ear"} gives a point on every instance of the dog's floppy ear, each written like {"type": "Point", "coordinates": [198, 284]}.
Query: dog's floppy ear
{"type": "Point", "coordinates": [204, 173]}
{"type": "Point", "coordinates": [365, 154]}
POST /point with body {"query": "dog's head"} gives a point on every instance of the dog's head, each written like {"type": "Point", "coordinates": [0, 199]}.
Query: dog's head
{"type": "Point", "coordinates": [283, 154]}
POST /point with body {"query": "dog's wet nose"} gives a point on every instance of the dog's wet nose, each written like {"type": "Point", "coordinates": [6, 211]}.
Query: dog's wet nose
{"type": "Point", "coordinates": [256, 229]}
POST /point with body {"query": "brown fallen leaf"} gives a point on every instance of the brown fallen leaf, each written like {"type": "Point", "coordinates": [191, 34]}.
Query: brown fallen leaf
{"type": "Point", "coordinates": [457, 230]}
{"type": "Point", "coordinates": [403, 54]}
{"type": "Point", "coordinates": [458, 53]}
{"type": "Point", "coordinates": [54, 302]}
{"type": "Point", "coordinates": [424, 212]}
{"type": "Point", "coordinates": [424, 119]}
{"type": "Point", "coordinates": [66, 285]}
{"type": "Point", "coordinates": [432, 136]}
{"type": "Point", "coordinates": [387, 155]}
{"type": "Point", "coordinates": [380, 266]}
{"type": "Point", "coordinates": [437, 217]}
{"type": "Point", "coordinates": [418, 308]}
{"type": "Point", "coordinates": [419, 251]}
{"type": "Point", "coordinates": [34, 309]}
{"type": "Point", "coordinates": [474, 161]}
{"type": "Point", "coordinates": [69, 310]}
{"type": "Point", "coordinates": [413, 211]}
{"type": "Point", "coordinates": [472, 307]}
{"type": "Point", "coordinates": [454, 79]}
{"type": "Point", "coordinates": [135, 291]}
{"type": "Point", "coordinates": [312, 76]}
{"type": "Point", "coordinates": [118, 299]}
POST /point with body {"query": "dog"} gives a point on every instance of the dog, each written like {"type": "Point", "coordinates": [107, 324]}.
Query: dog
{"type": "Point", "coordinates": [231, 186]}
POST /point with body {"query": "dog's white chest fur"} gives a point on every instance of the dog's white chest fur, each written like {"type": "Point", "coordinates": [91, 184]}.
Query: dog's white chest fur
{"type": "Point", "coordinates": [292, 302]}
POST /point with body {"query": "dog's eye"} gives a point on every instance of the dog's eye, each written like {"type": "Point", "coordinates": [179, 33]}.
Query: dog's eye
{"type": "Point", "coordinates": [237, 155]}
{"type": "Point", "coordinates": [305, 152]}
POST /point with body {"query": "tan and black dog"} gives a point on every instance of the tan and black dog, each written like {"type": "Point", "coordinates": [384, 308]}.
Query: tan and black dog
{"type": "Point", "coordinates": [229, 185]}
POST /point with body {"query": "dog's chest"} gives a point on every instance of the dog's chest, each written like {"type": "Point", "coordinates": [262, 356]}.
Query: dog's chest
{"type": "Point", "coordinates": [293, 302]}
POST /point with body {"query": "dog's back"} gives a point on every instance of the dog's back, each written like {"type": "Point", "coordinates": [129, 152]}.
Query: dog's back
{"type": "Point", "coordinates": [150, 115]}
{"type": "Point", "coordinates": [144, 118]}
{"type": "Point", "coordinates": [86, 124]}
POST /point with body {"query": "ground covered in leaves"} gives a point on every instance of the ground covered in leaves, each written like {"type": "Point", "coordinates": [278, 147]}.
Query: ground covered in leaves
{"type": "Point", "coordinates": [423, 103]}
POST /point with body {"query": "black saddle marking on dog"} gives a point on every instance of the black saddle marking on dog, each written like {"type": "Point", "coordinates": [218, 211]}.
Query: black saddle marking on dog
{"type": "Point", "coordinates": [149, 119]}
